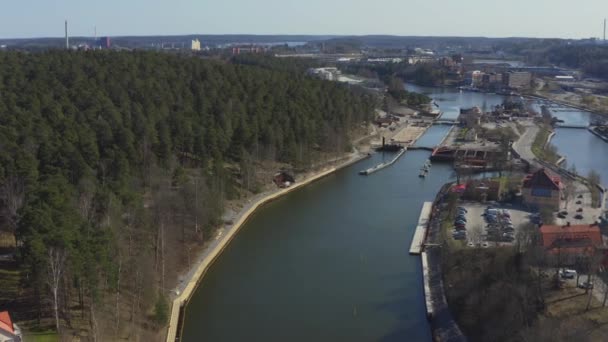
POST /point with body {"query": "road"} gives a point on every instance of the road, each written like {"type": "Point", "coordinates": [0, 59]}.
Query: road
{"type": "Point", "coordinates": [523, 146]}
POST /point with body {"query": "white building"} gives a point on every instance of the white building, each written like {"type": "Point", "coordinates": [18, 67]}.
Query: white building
{"type": "Point", "coordinates": [195, 45]}
{"type": "Point", "coordinates": [329, 74]}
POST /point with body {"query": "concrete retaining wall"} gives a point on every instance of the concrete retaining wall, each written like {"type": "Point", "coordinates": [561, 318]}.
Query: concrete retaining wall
{"type": "Point", "coordinates": [183, 298]}
{"type": "Point", "coordinates": [443, 325]}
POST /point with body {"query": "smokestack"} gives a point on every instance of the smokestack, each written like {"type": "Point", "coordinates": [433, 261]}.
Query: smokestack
{"type": "Point", "coordinates": [604, 30]}
{"type": "Point", "coordinates": [67, 41]}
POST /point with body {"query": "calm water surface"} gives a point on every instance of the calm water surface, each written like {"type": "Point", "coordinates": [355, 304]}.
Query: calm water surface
{"type": "Point", "coordinates": [328, 262]}
{"type": "Point", "coordinates": [451, 100]}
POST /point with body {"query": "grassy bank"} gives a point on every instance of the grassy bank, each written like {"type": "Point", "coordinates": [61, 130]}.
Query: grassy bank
{"type": "Point", "coordinates": [541, 149]}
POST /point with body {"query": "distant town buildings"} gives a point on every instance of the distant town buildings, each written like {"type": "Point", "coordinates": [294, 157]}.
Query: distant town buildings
{"type": "Point", "coordinates": [237, 50]}
{"type": "Point", "coordinates": [517, 79]}
{"type": "Point", "coordinates": [195, 45]}
{"type": "Point", "coordinates": [104, 42]}
{"type": "Point", "coordinates": [329, 74]}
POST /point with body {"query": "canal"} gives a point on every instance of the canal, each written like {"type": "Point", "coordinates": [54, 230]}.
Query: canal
{"type": "Point", "coordinates": [328, 262]}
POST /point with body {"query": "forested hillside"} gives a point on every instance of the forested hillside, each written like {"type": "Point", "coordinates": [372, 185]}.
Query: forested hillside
{"type": "Point", "coordinates": [112, 164]}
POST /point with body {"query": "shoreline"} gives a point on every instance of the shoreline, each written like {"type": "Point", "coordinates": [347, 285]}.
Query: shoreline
{"type": "Point", "coordinates": [214, 250]}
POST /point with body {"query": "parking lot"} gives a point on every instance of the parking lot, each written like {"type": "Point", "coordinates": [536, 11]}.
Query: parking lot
{"type": "Point", "coordinates": [482, 233]}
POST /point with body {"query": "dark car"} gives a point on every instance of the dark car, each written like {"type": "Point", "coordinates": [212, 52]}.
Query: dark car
{"type": "Point", "coordinates": [579, 202]}
{"type": "Point", "coordinates": [563, 212]}
{"type": "Point", "coordinates": [560, 215]}
{"type": "Point", "coordinates": [578, 217]}
{"type": "Point", "coordinates": [579, 210]}
{"type": "Point", "coordinates": [579, 196]}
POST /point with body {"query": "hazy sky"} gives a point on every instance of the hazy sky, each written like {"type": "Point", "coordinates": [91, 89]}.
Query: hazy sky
{"type": "Point", "coordinates": [529, 18]}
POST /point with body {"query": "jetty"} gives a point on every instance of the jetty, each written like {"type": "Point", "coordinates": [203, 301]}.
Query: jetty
{"type": "Point", "coordinates": [420, 232]}
{"type": "Point", "coordinates": [383, 165]}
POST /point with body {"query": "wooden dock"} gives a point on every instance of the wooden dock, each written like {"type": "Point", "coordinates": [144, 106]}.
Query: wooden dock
{"type": "Point", "coordinates": [420, 233]}
{"type": "Point", "coordinates": [382, 165]}
{"type": "Point", "coordinates": [427, 286]}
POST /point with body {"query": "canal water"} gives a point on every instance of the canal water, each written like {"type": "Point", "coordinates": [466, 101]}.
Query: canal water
{"type": "Point", "coordinates": [328, 262]}
{"type": "Point", "coordinates": [433, 136]}
{"type": "Point", "coordinates": [451, 100]}
{"type": "Point", "coordinates": [580, 147]}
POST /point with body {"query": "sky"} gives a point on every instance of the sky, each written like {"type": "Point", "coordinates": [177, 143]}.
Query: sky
{"type": "Point", "coordinates": [513, 18]}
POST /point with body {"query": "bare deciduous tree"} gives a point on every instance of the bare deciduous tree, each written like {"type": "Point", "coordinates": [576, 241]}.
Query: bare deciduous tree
{"type": "Point", "coordinates": [56, 267]}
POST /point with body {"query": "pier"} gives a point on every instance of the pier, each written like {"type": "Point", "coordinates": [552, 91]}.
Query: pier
{"type": "Point", "coordinates": [383, 165]}
{"type": "Point", "coordinates": [420, 232]}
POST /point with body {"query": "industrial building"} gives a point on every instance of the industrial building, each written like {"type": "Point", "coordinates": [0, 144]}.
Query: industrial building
{"type": "Point", "coordinates": [104, 42]}
{"type": "Point", "coordinates": [517, 79]}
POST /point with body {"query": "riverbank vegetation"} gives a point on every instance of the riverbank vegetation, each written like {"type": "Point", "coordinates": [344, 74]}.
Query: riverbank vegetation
{"type": "Point", "coordinates": [542, 149]}
{"type": "Point", "coordinates": [115, 168]}
{"type": "Point", "coordinates": [396, 89]}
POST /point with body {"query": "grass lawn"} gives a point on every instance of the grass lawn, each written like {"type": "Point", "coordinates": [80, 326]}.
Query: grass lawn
{"type": "Point", "coordinates": [568, 307]}
{"type": "Point", "coordinates": [9, 284]}
{"type": "Point", "coordinates": [41, 337]}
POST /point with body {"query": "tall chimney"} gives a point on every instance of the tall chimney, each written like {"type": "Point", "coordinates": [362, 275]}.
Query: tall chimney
{"type": "Point", "coordinates": [604, 30]}
{"type": "Point", "coordinates": [67, 41]}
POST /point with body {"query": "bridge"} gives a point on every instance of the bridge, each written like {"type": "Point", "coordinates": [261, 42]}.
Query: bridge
{"type": "Point", "coordinates": [445, 122]}
{"type": "Point", "coordinates": [572, 126]}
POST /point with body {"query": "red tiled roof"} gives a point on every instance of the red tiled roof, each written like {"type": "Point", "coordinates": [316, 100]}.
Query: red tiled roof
{"type": "Point", "coordinates": [6, 323]}
{"type": "Point", "coordinates": [577, 237]}
{"type": "Point", "coordinates": [542, 179]}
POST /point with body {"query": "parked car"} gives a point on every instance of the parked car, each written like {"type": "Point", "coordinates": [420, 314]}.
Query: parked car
{"type": "Point", "coordinates": [578, 217]}
{"type": "Point", "coordinates": [579, 202]}
{"type": "Point", "coordinates": [563, 212]}
{"type": "Point", "coordinates": [579, 196]}
{"type": "Point", "coordinates": [579, 210]}
{"type": "Point", "coordinates": [588, 285]}
{"type": "Point", "coordinates": [562, 216]}
{"type": "Point", "coordinates": [567, 273]}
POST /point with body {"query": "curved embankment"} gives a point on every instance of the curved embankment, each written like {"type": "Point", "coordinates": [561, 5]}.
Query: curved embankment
{"type": "Point", "coordinates": [215, 250]}
{"type": "Point", "coordinates": [443, 325]}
